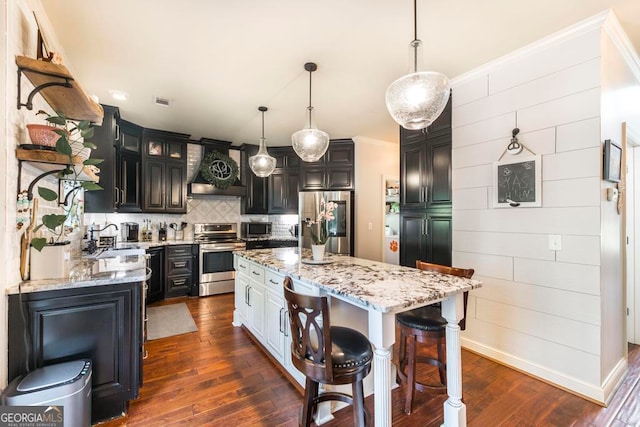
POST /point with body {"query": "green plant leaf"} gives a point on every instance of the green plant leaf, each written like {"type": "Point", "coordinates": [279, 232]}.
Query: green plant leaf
{"type": "Point", "coordinates": [57, 120]}
{"type": "Point", "coordinates": [87, 133]}
{"type": "Point", "coordinates": [90, 186]}
{"type": "Point", "coordinates": [53, 221]}
{"type": "Point", "coordinates": [38, 243]}
{"type": "Point", "coordinates": [92, 162]}
{"type": "Point", "coordinates": [88, 144]}
{"type": "Point", "coordinates": [63, 147]}
{"type": "Point", "coordinates": [84, 124]}
{"type": "Point", "coordinates": [47, 194]}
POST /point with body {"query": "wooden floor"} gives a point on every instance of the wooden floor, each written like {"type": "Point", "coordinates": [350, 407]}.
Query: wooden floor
{"type": "Point", "coordinates": [218, 376]}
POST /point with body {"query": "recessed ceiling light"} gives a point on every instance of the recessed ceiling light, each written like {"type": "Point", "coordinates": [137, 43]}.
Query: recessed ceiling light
{"type": "Point", "coordinates": [119, 95]}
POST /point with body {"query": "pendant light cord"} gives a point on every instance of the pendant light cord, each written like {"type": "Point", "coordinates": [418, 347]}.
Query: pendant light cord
{"type": "Point", "coordinates": [310, 108]}
{"type": "Point", "coordinates": [262, 124]}
{"type": "Point", "coordinates": [415, 36]}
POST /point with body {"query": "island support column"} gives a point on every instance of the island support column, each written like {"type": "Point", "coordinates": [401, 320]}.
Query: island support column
{"type": "Point", "coordinates": [455, 411]}
{"type": "Point", "coordinates": [382, 336]}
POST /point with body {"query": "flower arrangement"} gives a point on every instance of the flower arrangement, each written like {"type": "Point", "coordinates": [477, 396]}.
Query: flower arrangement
{"type": "Point", "coordinates": [325, 214]}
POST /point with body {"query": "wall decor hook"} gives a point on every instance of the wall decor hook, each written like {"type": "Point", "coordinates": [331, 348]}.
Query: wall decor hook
{"type": "Point", "coordinates": [514, 146]}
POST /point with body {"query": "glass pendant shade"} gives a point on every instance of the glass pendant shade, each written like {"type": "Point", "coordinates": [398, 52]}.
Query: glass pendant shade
{"type": "Point", "coordinates": [310, 143]}
{"type": "Point", "coordinates": [417, 99]}
{"type": "Point", "coordinates": [262, 164]}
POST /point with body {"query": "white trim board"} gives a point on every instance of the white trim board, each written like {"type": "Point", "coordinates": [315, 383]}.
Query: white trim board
{"type": "Point", "coordinates": [599, 394]}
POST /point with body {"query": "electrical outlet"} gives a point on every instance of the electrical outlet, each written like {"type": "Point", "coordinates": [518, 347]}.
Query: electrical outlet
{"type": "Point", "coordinates": [555, 242]}
{"type": "Point", "coordinates": [369, 226]}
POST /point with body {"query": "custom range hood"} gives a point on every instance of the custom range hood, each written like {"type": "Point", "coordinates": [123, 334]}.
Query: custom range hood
{"type": "Point", "coordinates": [198, 185]}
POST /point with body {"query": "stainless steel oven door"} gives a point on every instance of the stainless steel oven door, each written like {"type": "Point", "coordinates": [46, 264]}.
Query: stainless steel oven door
{"type": "Point", "coordinates": [216, 269]}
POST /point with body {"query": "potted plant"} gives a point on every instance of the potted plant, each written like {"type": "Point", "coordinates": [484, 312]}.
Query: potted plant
{"type": "Point", "coordinates": [320, 224]}
{"type": "Point", "coordinates": [73, 142]}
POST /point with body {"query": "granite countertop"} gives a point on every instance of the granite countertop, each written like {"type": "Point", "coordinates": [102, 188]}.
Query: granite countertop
{"type": "Point", "coordinates": [370, 284]}
{"type": "Point", "coordinates": [97, 272]}
{"type": "Point", "coordinates": [260, 239]}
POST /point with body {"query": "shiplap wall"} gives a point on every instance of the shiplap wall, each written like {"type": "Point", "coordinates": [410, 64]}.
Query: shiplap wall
{"type": "Point", "coordinates": [539, 310]}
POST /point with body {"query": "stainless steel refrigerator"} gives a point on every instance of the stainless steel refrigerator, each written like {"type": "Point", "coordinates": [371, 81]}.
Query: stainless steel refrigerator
{"type": "Point", "coordinates": [340, 228]}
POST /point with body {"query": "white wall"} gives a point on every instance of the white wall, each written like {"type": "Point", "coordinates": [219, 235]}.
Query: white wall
{"type": "Point", "coordinates": [554, 314]}
{"type": "Point", "coordinates": [4, 193]}
{"type": "Point", "coordinates": [373, 160]}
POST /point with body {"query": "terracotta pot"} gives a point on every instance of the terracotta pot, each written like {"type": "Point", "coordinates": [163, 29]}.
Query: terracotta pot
{"type": "Point", "coordinates": [43, 135]}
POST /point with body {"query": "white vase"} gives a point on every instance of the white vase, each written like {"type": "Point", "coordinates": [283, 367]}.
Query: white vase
{"type": "Point", "coordinates": [53, 262]}
{"type": "Point", "coordinates": [318, 252]}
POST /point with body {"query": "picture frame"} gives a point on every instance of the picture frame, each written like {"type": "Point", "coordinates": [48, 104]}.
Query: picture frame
{"type": "Point", "coordinates": [517, 182]}
{"type": "Point", "coordinates": [612, 161]}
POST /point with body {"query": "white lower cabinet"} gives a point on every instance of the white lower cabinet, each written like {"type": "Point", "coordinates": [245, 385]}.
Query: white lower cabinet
{"type": "Point", "coordinates": [261, 307]}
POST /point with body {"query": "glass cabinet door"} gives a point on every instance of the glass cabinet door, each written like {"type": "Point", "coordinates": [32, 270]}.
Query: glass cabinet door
{"type": "Point", "coordinates": [155, 148]}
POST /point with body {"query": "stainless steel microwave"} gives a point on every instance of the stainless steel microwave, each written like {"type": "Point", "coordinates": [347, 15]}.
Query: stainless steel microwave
{"type": "Point", "coordinates": [255, 229]}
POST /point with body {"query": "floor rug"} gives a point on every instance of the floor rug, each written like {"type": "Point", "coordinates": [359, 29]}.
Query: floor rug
{"type": "Point", "coordinates": [167, 320]}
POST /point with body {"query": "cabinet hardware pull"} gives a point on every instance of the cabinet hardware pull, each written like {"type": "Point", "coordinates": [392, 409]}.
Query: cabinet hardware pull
{"type": "Point", "coordinates": [122, 198]}
{"type": "Point", "coordinates": [425, 191]}
{"type": "Point", "coordinates": [118, 133]}
{"type": "Point", "coordinates": [249, 296]}
{"type": "Point", "coordinates": [241, 266]}
{"type": "Point", "coordinates": [280, 326]}
{"type": "Point", "coordinates": [271, 281]}
{"type": "Point", "coordinates": [257, 274]}
{"type": "Point", "coordinates": [425, 227]}
{"type": "Point", "coordinates": [117, 190]}
{"type": "Point", "coordinates": [180, 264]}
{"type": "Point", "coordinates": [286, 322]}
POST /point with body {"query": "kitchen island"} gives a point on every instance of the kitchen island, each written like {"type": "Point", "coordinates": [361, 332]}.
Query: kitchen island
{"type": "Point", "coordinates": [378, 289]}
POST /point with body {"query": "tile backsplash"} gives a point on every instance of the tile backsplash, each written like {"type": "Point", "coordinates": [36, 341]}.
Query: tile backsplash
{"type": "Point", "coordinates": [219, 209]}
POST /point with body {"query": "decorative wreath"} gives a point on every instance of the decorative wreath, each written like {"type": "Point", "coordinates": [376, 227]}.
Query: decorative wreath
{"type": "Point", "coordinates": [219, 169]}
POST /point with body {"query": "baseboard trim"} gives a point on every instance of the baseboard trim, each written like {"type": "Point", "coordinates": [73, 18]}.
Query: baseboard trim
{"type": "Point", "coordinates": [600, 395]}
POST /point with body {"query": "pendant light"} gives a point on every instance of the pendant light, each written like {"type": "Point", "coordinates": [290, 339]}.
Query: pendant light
{"type": "Point", "coordinates": [417, 99]}
{"type": "Point", "coordinates": [310, 143]}
{"type": "Point", "coordinates": [262, 164]}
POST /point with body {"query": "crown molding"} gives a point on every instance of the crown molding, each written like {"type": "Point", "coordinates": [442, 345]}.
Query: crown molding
{"type": "Point", "coordinates": [621, 41]}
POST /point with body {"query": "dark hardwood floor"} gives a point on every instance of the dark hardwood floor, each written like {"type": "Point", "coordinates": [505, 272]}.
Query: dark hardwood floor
{"type": "Point", "coordinates": [218, 376]}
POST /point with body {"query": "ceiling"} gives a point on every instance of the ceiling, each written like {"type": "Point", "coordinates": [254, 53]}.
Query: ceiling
{"type": "Point", "coordinates": [218, 60]}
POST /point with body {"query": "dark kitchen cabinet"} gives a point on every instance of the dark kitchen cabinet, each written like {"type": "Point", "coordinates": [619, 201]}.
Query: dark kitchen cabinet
{"type": "Point", "coordinates": [164, 172]}
{"type": "Point", "coordinates": [284, 182]}
{"type": "Point", "coordinates": [179, 270]}
{"type": "Point", "coordinates": [101, 323]}
{"type": "Point", "coordinates": [155, 283]}
{"type": "Point", "coordinates": [334, 171]}
{"type": "Point", "coordinates": [118, 144]}
{"type": "Point", "coordinates": [256, 200]}
{"type": "Point", "coordinates": [425, 193]}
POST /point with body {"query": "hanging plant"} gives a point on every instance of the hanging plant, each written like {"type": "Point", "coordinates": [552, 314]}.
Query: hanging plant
{"type": "Point", "coordinates": [219, 170]}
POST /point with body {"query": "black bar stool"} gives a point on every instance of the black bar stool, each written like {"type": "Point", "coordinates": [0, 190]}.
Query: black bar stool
{"type": "Point", "coordinates": [326, 354]}
{"type": "Point", "coordinates": [427, 326]}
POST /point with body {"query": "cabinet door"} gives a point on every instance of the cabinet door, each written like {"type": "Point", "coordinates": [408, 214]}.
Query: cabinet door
{"type": "Point", "coordinates": [312, 178]}
{"type": "Point", "coordinates": [178, 286]}
{"type": "Point", "coordinates": [277, 192]}
{"type": "Point", "coordinates": [256, 200]}
{"type": "Point", "coordinates": [339, 178]}
{"type": "Point", "coordinates": [176, 188]}
{"type": "Point", "coordinates": [413, 240]}
{"type": "Point", "coordinates": [241, 298]}
{"type": "Point", "coordinates": [275, 310]}
{"type": "Point", "coordinates": [130, 137]}
{"type": "Point", "coordinates": [256, 309]}
{"type": "Point", "coordinates": [439, 167]}
{"type": "Point", "coordinates": [105, 139]}
{"type": "Point", "coordinates": [130, 174]}
{"type": "Point", "coordinates": [156, 282]}
{"type": "Point", "coordinates": [413, 172]}
{"type": "Point", "coordinates": [292, 189]}
{"type": "Point", "coordinates": [439, 246]}
{"type": "Point", "coordinates": [154, 185]}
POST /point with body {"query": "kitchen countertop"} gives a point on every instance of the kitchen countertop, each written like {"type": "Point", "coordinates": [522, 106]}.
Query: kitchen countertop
{"type": "Point", "coordinates": [260, 239]}
{"type": "Point", "coordinates": [153, 244]}
{"type": "Point", "coordinates": [107, 271]}
{"type": "Point", "coordinates": [370, 284]}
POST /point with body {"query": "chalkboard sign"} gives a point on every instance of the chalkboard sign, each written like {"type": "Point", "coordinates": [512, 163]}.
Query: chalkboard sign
{"type": "Point", "coordinates": [517, 182]}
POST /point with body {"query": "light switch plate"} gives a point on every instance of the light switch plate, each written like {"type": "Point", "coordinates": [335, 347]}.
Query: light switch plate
{"type": "Point", "coordinates": [555, 242]}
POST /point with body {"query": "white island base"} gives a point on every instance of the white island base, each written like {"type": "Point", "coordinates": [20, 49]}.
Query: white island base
{"type": "Point", "coordinates": [364, 295]}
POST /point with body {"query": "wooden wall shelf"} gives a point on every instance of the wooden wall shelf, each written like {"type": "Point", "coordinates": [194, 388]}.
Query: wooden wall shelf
{"type": "Point", "coordinates": [51, 160]}
{"type": "Point", "coordinates": [58, 87]}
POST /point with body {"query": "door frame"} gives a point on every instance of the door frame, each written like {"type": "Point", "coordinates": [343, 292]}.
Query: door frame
{"type": "Point", "coordinates": [631, 236]}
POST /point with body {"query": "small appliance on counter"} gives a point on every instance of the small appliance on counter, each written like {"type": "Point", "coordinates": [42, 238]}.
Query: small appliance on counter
{"type": "Point", "coordinates": [293, 230]}
{"type": "Point", "coordinates": [129, 231]}
{"type": "Point", "coordinates": [255, 229]}
{"type": "Point", "coordinates": [162, 232]}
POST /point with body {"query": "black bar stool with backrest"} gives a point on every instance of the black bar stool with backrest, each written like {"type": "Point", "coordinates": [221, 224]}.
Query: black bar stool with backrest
{"type": "Point", "coordinates": [427, 326]}
{"type": "Point", "coordinates": [326, 354]}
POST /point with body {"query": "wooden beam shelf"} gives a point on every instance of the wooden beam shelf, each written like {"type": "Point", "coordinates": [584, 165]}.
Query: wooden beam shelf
{"type": "Point", "coordinates": [59, 89]}
{"type": "Point", "coordinates": [51, 160]}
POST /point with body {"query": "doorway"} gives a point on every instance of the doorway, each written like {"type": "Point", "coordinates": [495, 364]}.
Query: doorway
{"type": "Point", "coordinates": [632, 231]}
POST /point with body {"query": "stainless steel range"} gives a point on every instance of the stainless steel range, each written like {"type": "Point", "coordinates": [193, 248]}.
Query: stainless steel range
{"type": "Point", "coordinates": [217, 243]}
